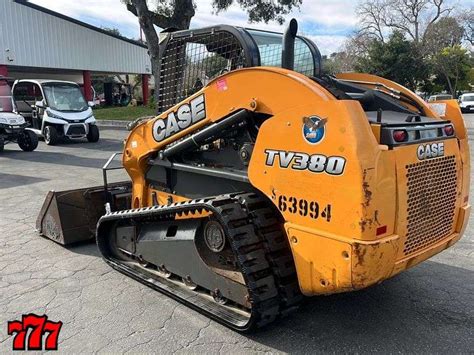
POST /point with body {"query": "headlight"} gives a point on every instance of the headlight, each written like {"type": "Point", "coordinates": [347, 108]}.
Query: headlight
{"type": "Point", "coordinates": [3, 120]}
{"type": "Point", "coordinates": [91, 115]}
{"type": "Point", "coordinates": [17, 121]}
{"type": "Point", "coordinates": [52, 115]}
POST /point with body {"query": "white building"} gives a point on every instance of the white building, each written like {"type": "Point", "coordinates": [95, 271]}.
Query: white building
{"type": "Point", "coordinates": [39, 43]}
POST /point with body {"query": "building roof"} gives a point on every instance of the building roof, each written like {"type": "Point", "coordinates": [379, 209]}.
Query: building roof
{"type": "Point", "coordinates": [77, 22]}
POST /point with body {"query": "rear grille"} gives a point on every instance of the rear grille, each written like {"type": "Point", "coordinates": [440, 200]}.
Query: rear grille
{"type": "Point", "coordinates": [76, 130]}
{"type": "Point", "coordinates": [431, 202]}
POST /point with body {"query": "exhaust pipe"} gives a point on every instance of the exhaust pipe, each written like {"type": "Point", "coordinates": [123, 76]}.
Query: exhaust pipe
{"type": "Point", "coordinates": [288, 45]}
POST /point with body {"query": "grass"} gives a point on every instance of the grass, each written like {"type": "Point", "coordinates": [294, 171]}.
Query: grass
{"type": "Point", "coordinates": [128, 113]}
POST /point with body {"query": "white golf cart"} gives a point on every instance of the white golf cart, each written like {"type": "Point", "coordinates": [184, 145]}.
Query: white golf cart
{"type": "Point", "coordinates": [13, 125]}
{"type": "Point", "coordinates": [55, 109]}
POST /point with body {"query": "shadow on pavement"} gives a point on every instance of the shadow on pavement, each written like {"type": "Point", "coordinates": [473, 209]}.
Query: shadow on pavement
{"type": "Point", "coordinates": [57, 158]}
{"type": "Point", "coordinates": [412, 312]}
{"type": "Point", "coordinates": [13, 180]}
{"type": "Point", "coordinates": [104, 144]}
{"type": "Point", "coordinates": [85, 248]}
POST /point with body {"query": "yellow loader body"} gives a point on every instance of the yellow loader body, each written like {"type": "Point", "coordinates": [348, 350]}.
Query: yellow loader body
{"type": "Point", "coordinates": [349, 229]}
{"type": "Point", "coordinates": [256, 185]}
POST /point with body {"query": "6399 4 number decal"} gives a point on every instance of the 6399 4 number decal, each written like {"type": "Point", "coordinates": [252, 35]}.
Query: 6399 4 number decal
{"type": "Point", "coordinates": [302, 207]}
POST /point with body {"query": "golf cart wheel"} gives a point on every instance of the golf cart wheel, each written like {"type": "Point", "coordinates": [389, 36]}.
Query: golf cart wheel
{"type": "Point", "coordinates": [2, 144]}
{"type": "Point", "coordinates": [93, 135]}
{"type": "Point", "coordinates": [51, 136]}
{"type": "Point", "coordinates": [28, 141]}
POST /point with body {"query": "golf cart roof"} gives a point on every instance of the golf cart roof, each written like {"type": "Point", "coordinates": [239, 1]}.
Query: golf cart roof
{"type": "Point", "coordinates": [6, 78]}
{"type": "Point", "coordinates": [45, 81]}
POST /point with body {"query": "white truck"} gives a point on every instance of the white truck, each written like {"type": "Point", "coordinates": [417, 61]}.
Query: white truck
{"type": "Point", "coordinates": [466, 102]}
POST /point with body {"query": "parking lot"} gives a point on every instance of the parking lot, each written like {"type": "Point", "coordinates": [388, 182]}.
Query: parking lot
{"type": "Point", "coordinates": [429, 308]}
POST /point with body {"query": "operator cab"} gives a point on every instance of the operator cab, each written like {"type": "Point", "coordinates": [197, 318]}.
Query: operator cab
{"type": "Point", "coordinates": [190, 59]}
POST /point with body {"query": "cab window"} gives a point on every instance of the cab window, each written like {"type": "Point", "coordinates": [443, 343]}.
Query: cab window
{"type": "Point", "coordinates": [270, 48]}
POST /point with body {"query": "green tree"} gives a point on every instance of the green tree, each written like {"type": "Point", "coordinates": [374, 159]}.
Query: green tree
{"type": "Point", "coordinates": [398, 60]}
{"type": "Point", "coordinates": [213, 64]}
{"type": "Point", "coordinates": [467, 20]}
{"type": "Point", "coordinates": [428, 35]}
{"type": "Point", "coordinates": [410, 17]}
{"type": "Point", "coordinates": [112, 30]}
{"type": "Point", "coordinates": [447, 32]}
{"type": "Point", "coordinates": [452, 66]}
{"type": "Point", "coordinates": [338, 62]}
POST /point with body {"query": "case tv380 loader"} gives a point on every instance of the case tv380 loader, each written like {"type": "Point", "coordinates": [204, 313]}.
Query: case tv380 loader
{"type": "Point", "coordinates": [263, 180]}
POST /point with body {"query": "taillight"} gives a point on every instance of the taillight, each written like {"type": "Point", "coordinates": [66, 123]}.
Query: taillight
{"type": "Point", "coordinates": [400, 136]}
{"type": "Point", "coordinates": [381, 230]}
{"type": "Point", "coordinates": [449, 130]}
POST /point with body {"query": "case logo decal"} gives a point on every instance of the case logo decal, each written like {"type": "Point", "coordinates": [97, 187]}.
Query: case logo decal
{"type": "Point", "coordinates": [314, 129]}
{"type": "Point", "coordinates": [431, 150]}
{"type": "Point", "coordinates": [316, 163]}
{"type": "Point", "coordinates": [185, 116]}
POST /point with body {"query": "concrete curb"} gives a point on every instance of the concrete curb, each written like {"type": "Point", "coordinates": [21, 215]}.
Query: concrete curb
{"type": "Point", "coordinates": [119, 124]}
{"type": "Point", "coordinates": [113, 124]}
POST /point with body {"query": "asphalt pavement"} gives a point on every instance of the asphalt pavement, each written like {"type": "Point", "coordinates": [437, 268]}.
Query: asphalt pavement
{"type": "Point", "coordinates": [428, 309]}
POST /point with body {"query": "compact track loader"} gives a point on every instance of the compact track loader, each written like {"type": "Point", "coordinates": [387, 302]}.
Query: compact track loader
{"type": "Point", "coordinates": [263, 180]}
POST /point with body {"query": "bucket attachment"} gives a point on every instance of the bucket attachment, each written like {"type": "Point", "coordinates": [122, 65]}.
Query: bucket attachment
{"type": "Point", "coordinates": [71, 216]}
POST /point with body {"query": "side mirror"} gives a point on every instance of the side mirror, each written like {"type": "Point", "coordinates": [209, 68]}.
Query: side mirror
{"type": "Point", "coordinates": [91, 103]}
{"type": "Point", "coordinates": [40, 104]}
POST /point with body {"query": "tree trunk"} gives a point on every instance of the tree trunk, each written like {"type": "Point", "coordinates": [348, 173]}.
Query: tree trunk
{"type": "Point", "coordinates": [180, 19]}
{"type": "Point", "coordinates": [448, 80]}
{"type": "Point", "coordinates": [456, 82]}
{"type": "Point", "coordinates": [417, 32]}
{"type": "Point", "coordinates": [151, 36]}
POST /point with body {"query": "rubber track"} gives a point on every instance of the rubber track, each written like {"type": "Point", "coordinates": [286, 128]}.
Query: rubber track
{"type": "Point", "coordinates": [254, 238]}
{"type": "Point", "coordinates": [277, 249]}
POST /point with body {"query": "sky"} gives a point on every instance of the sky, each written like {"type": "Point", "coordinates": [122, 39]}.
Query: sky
{"type": "Point", "coordinates": [327, 22]}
